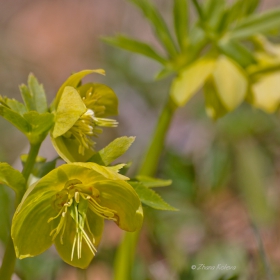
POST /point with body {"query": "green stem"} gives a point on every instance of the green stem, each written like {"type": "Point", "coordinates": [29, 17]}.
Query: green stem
{"type": "Point", "coordinates": [9, 259]}
{"type": "Point", "coordinates": [31, 159]}
{"type": "Point", "coordinates": [125, 254]}
{"type": "Point", "coordinates": [152, 157]}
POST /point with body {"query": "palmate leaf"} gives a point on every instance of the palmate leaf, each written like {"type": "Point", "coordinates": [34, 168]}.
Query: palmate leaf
{"type": "Point", "coordinates": [114, 150]}
{"type": "Point", "coordinates": [135, 46]}
{"type": "Point", "coordinates": [158, 23]}
{"type": "Point", "coordinates": [14, 118]}
{"type": "Point", "coordinates": [150, 198]}
{"type": "Point", "coordinates": [253, 24]}
{"type": "Point", "coordinates": [39, 123]}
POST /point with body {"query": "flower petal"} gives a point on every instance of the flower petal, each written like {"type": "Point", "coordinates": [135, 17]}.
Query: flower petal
{"type": "Point", "coordinates": [96, 224]}
{"type": "Point", "coordinates": [73, 81]}
{"type": "Point", "coordinates": [121, 197]}
{"type": "Point", "coordinates": [69, 110]}
{"type": "Point", "coordinates": [30, 227]}
{"type": "Point", "coordinates": [267, 92]}
{"type": "Point", "coordinates": [102, 100]}
{"type": "Point", "coordinates": [109, 172]}
{"type": "Point", "coordinates": [68, 150]}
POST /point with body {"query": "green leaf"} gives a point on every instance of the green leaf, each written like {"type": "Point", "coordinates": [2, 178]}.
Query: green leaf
{"type": "Point", "coordinates": [159, 25]}
{"type": "Point", "coordinates": [40, 123]}
{"type": "Point", "coordinates": [14, 118]}
{"type": "Point", "coordinates": [256, 24]}
{"type": "Point", "coordinates": [38, 94]}
{"type": "Point", "coordinates": [239, 10]}
{"type": "Point", "coordinates": [12, 177]}
{"type": "Point", "coordinates": [213, 11]}
{"type": "Point", "coordinates": [69, 110]}
{"type": "Point", "coordinates": [151, 182]}
{"type": "Point", "coordinates": [190, 80]}
{"type": "Point", "coordinates": [135, 46]}
{"type": "Point", "coordinates": [43, 168]}
{"type": "Point", "coordinates": [180, 18]}
{"type": "Point", "coordinates": [73, 81]}
{"type": "Point", "coordinates": [237, 52]}
{"type": "Point", "coordinates": [16, 106]}
{"type": "Point", "coordinates": [151, 198]}
{"type": "Point", "coordinates": [114, 150]}
{"type": "Point", "coordinates": [27, 98]}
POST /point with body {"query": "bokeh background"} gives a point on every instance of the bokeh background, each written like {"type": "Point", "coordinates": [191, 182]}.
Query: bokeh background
{"type": "Point", "coordinates": [226, 174]}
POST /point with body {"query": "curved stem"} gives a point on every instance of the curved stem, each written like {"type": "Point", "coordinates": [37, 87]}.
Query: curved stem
{"type": "Point", "coordinates": [125, 254]}
{"type": "Point", "coordinates": [9, 259]}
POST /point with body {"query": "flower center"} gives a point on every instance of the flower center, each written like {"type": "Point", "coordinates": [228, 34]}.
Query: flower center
{"type": "Point", "coordinates": [86, 127]}
{"type": "Point", "coordinates": [72, 202]}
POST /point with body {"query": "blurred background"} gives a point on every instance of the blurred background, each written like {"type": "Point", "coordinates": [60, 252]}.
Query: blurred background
{"type": "Point", "coordinates": [226, 174]}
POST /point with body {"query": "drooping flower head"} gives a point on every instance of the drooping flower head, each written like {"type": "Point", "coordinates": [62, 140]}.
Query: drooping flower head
{"type": "Point", "coordinates": [80, 112]}
{"type": "Point", "coordinates": [68, 206]}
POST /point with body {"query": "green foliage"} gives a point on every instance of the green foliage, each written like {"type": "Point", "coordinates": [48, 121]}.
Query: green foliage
{"type": "Point", "coordinates": [12, 178]}
{"type": "Point", "coordinates": [150, 198]}
{"type": "Point", "coordinates": [113, 151]}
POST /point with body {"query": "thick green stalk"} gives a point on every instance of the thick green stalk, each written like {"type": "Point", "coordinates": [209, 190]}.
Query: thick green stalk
{"type": "Point", "coordinates": [126, 251]}
{"type": "Point", "coordinates": [9, 259]}
{"type": "Point", "coordinates": [151, 159]}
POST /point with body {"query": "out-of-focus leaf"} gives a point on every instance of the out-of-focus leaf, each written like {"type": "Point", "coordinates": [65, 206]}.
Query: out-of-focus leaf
{"type": "Point", "coordinates": [239, 10]}
{"type": "Point", "coordinates": [159, 25]}
{"type": "Point", "coordinates": [230, 81]}
{"type": "Point", "coordinates": [250, 164]}
{"type": "Point", "coordinates": [237, 52]}
{"type": "Point", "coordinates": [151, 182]}
{"type": "Point", "coordinates": [191, 80]}
{"type": "Point", "coordinates": [114, 150]}
{"type": "Point", "coordinates": [266, 92]}
{"type": "Point", "coordinates": [213, 12]}
{"type": "Point", "coordinates": [38, 94]}
{"type": "Point", "coordinates": [163, 73]}
{"type": "Point", "coordinates": [14, 118]}
{"type": "Point", "coordinates": [135, 46]}
{"type": "Point", "coordinates": [11, 177]}
{"type": "Point", "coordinates": [180, 18]}
{"type": "Point", "coordinates": [254, 24]}
{"type": "Point", "coordinates": [151, 198]}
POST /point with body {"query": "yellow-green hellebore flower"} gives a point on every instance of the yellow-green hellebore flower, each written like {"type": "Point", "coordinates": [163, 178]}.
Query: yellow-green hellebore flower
{"type": "Point", "coordinates": [224, 82]}
{"type": "Point", "coordinates": [265, 76]}
{"type": "Point", "coordinates": [80, 113]}
{"type": "Point", "coordinates": [68, 206]}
